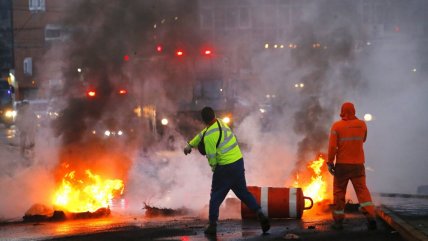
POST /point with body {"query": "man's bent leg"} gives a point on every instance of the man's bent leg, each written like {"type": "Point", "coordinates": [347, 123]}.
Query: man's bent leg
{"type": "Point", "coordinates": [240, 189]}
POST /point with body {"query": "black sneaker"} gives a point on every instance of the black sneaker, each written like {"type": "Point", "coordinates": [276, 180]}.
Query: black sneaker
{"type": "Point", "coordinates": [337, 226]}
{"type": "Point", "coordinates": [371, 224]}
{"type": "Point", "coordinates": [264, 222]}
{"type": "Point", "coordinates": [211, 229]}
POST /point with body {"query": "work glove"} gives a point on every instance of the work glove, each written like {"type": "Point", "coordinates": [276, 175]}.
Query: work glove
{"type": "Point", "coordinates": [331, 168]}
{"type": "Point", "coordinates": [187, 149]}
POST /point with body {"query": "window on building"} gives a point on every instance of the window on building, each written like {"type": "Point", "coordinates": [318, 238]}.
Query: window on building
{"type": "Point", "coordinates": [220, 18]}
{"type": "Point", "coordinates": [28, 66]}
{"type": "Point", "coordinates": [37, 5]}
{"type": "Point", "coordinates": [53, 32]}
{"type": "Point", "coordinates": [231, 18]}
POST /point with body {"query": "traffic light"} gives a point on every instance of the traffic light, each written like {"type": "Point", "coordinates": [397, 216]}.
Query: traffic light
{"type": "Point", "coordinates": [207, 52]}
{"type": "Point", "coordinates": [179, 52]}
{"type": "Point", "coordinates": [122, 92]}
{"type": "Point", "coordinates": [159, 48]}
{"type": "Point", "coordinates": [91, 93]}
{"type": "Point", "coordinates": [126, 57]}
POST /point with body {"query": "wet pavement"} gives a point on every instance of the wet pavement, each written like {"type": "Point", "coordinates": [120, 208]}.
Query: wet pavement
{"type": "Point", "coordinates": [408, 214]}
{"type": "Point", "coordinates": [315, 225]}
{"type": "Point", "coordinates": [404, 217]}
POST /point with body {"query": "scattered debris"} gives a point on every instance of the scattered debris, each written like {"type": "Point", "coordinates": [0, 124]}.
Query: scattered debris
{"type": "Point", "coordinates": [291, 236]}
{"type": "Point", "coordinates": [152, 212]}
{"type": "Point", "coordinates": [101, 212]}
{"type": "Point", "coordinates": [41, 213]}
{"type": "Point", "coordinates": [349, 207]}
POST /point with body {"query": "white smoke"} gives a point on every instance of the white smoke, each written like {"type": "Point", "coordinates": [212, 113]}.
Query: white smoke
{"type": "Point", "coordinates": [379, 78]}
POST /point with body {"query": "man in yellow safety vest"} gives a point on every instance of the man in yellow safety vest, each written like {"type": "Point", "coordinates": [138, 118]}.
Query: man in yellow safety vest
{"type": "Point", "coordinates": [217, 142]}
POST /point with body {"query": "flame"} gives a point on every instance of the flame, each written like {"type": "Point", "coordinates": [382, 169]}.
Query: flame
{"type": "Point", "coordinates": [316, 187]}
{"type": "Point", "coordinates": [87, 193]}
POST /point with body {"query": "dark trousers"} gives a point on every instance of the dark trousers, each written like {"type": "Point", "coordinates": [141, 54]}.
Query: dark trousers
{"type": "Point", "coordinates": [356, 174]}
{"type": "Point", "coordinates": [225, 178]}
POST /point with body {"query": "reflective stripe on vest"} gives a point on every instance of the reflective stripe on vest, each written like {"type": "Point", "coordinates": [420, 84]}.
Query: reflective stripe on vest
{"type": "Point", "coordinates": [353, 138]}
{"type": "Point", "coordinates": [229, 148]}
{"type": "Point", "coordinates": [365, 204]}
{"type": "Point", "coordinates": [216, 129]}
{"type": "Point", "coordinates": [211, 155]}
{"type": "Point", "coordinates": [226, 139]}
{"type": "Point", "coordinates": [339, 212]}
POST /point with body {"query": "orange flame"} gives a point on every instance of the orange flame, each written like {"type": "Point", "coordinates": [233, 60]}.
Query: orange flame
{"type": "Point", "coordinates": [316, 187]}
{"type": "Point", "coordinates": [88, 193]}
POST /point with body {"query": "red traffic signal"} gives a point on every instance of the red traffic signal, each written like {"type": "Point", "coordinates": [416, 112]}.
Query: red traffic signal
{"type": "Point", "coordinates": [179, 53]}
{"type": "Point", "coordinates": [126, 57]}
{"type": "Point", "coordinates": [91, 93]}
{"type": "Point", "coordinates": [122, 92]}
{"type": "Point", "coordinates": [159, 48]}
{"type": "Point", "coordinates": [207, 52]}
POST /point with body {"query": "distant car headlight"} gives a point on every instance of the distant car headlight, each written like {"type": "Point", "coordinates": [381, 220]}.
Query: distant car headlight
{"type": "Point", "coordinates": [226, 119]}
{"type": "Point", "coordinates": [164, 121]}
{"type": "Point", "coordinates": [10, 114]}
{"type": "Point", "coordinates": [262, 110]}
{"type": "Point", "coordinates": [107, 133]}
{"type": "Point", "coordinates": [53, 114]}
{"type": "Point", "coordinates": [120, 133]}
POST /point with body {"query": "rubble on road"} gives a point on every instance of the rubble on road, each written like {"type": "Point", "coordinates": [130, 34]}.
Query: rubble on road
{"type": "Point", "coordinates": [152, 211]}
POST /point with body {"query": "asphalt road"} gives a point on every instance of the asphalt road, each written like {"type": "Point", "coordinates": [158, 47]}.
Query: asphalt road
{"type": "Point", "coordinates": [314, 225]}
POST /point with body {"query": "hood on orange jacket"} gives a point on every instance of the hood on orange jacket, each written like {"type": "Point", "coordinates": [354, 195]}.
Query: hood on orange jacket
{"type": "Point", "coordinates": [348, 111]}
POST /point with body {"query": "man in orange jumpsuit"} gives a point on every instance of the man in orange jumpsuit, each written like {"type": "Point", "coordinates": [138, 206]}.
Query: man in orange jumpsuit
{"type": "Point", "coordinates": [346, 146]}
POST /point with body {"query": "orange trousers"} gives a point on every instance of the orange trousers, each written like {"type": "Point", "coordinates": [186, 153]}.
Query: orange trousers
{"type": "Point", "coordinates": [356, 174]}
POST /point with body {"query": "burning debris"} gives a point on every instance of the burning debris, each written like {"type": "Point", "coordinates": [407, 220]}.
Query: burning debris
{"type": "Point", "coordinates": [313, 180]}
{"type": "Point", "coordinates": [86, 194]}
{"type": "Point", "coordinates": [42, 213]}
{"type": "Point", "coordinates": [152, 212]}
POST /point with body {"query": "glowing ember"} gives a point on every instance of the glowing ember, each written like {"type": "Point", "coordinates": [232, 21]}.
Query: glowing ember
{"type": "Point", "coordinates": [316, 187]}
{"type": "Point", "coordinates": [87, 193]}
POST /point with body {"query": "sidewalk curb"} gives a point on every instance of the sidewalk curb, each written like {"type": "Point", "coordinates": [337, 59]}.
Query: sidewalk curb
{"type": "Point", "coordinates": [406, 230]}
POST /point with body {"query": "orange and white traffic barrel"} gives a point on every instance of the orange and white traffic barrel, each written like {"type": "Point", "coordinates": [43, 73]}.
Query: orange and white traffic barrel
{"type": "Point", "coordinates": [277, 202]}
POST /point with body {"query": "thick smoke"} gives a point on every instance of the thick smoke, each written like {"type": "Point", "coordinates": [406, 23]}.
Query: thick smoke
{"type": "Point", "coordinates": [114, 45]}
{"type": "Point", "coordinates": [383, 75]}
{"type": "Point", "coordinates": [334, 59]}
{"type": "Point", "coordinates": [323, 66]}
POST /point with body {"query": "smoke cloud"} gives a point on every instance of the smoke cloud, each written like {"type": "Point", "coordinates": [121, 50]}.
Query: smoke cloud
{"type": "Point", "coordinates": [331, 54]}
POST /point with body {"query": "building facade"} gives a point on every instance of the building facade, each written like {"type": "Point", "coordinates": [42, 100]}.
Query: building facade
{"type": "Point", "coordinates": [36, 27]}
{"type": "Point", "coordinates": [6, 39]}
{"type": "Point", "coordinates": [29, 28]}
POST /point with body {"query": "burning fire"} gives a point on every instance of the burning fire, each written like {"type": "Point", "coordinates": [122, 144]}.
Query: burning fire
{"type": "Point", "coordinates": [87, 192]}
{"type": "Point", "coordinates": [316, 186]}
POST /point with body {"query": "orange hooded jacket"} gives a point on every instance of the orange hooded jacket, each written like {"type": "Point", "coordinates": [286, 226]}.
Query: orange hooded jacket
{"type": "Point", "coordinates": [347, 137]}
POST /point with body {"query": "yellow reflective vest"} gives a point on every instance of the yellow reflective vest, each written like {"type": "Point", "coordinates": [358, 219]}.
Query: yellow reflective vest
{"type": "Point", "coordinates": [228, 149]}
